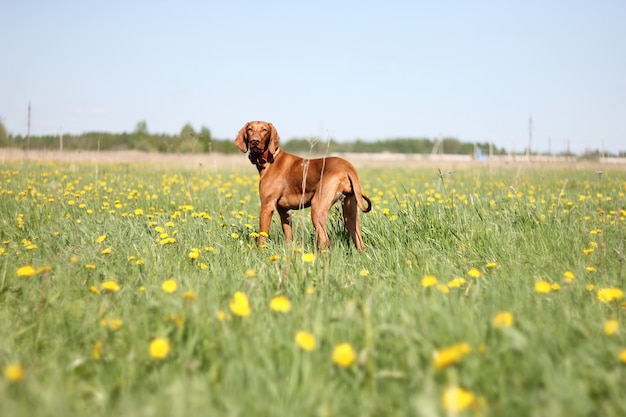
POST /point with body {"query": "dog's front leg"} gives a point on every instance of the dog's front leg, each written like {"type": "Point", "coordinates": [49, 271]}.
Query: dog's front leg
{"type": "Point", "coordinates": [265, 219]}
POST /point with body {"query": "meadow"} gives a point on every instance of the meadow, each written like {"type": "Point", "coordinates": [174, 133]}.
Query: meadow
{"type": "Point", "coordinates": [135, 289]}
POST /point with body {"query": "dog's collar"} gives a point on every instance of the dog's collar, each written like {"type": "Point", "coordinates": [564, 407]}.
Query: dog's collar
{"type": "Point", "coordinates": [265, 158]}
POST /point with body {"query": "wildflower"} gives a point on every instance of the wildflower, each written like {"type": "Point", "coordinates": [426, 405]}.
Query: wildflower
{"type": "Point", "coordinates": [491, 265]}
{"type": "Point", "coordinates": [590, 268]}
{"type": "Point", "coordinates": [429, 281]}
{"type": "Point", "coordinates": [456, 399]}
{"type": "Point", "coordinates": [611, 327]}
{"type": "Point", "coordinates": [450, 355]}
{"type": "Point", "coordinates": [622, 356]}
{"type": "Point", "coordinates": [444, 289]}
{"type": "Point", "coordinates": [101, 238]}
{"type": "Point", "coordinates": [110, 286]}
{"type": "Point", "coordinates": [408, 262]}
{"type": "Point", "coordinates": [305, 340]}
{"type": "Point", "coordinates": [364, 272]}
{"type": "Point", "coordinates": [138, 212]}
{"type": "Point", "coordinates": [542, 287]}
{"type": "Point", "coordinates": [456, 282]}
{"type": "Point", "coordinates": [90, 266]}
{"type": "Point", "coordinates": [159, 348]}
{"type": "Point", "coordinates": [111, 324]}
{"type": "Point", "coordinates": [590, 287]}
{"type": "Point", "coordinates": [203, 266]}
{"type": "Point", "coordinates": [106, 251]}
{"type": "Point", "coordinates": [94, 289]}
{"type": "Point", "coordinates": [344, 355]}
{"type": "Point", "coordinates": [26, 271]}
{"type": "Point", "coordinates": [169, 286]}
{"type": "Point", "coordinates": [194, 254]}
{"type": "Point", "coordinates": [250, 273]}
{"type": "Point", "coordinates": [221, 315]}
{"type": "Point", "coordinates": [190, 296]}
{"type": "Point", "coordinates": [96, 350]}
{"type": "Point", "coordinates": [503, 319]}
{"type": "Point", "coordinates": [308, 257]}
{"type": "Point", "coordinates": [474, 273]}
{"type": "Point", "coordinates": [587, 251]}
{"type": "Point", "coordinates": [274, 258]}
{"type": "Point", "coordinates": [568, 277]}
{"type": "Point", "coordinates": [280, 304]}
{"type": "Point", "coordinates": [606, 295]}
{"type": "Point", "coordinates": [14, 372]}
{"type": "Point", "coordinates": [239, 305]}
{"type": "Point", "coordinates": [234, 235]}
{"type": "Point", "coordinates": [555, 287]}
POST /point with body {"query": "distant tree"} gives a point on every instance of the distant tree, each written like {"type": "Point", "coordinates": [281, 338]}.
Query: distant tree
{"type": "Point", "coordinates": [206, 139]}
{"type": "Point", "coordinates": [141, 128]}
{"type": "Point", "coordinates": [4, 135]}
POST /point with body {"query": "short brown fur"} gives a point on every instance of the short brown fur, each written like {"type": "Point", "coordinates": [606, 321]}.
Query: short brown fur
{"type": "Point", "coordinates": [289, 182]}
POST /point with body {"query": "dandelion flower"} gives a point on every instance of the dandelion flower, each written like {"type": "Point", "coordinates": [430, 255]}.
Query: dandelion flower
{"type": "Point", "coordinates": [503, 319]}
{"type": "Point", "coordinates": [111, 324]}
{"type": "Point", "coordinates": [305, 340]}
{"type": "Point", "coordinates": [190, 296]}
{"type": "Point", "coordinates": [250, 273]}
{"type": "Point", "coordinates": [280, 304]}
{"type": "Point", "coordinates": [590, 287]}
{"type": "Point", "coordinates": [456, 399]}
{"type": "Point", "coordinates": [590, 268]}
{"type": "Point", "coordinates": [221, 315]}
{"type": "Point", "coordinates": [194, 254]}
{"type": "Point", "coordinates": [364, 272]}
{"type": "Point", "coordinates": [159, 348]}
{"type": "Point", "coordinates": [239, 305]}
{"type": "Point", "coordinates": [169, 286]}
{"type": "Point", "coordinates": [274, 258]}
{"type": "Point", "coordinates": [568, 277]}
{"type": "Point", "coordinates": [101, 238]}
{"type": "Point", "coordinates": [110, 286]}
{"type": "Point", "coordinates": [622, 356]}
{"type": "Point", "coordinates": [308, 257]}
{"type": "Point", "coordinates": [106, 251]}
{"type": "Point", "coordinates": [542, 287]}
{"type": "Point", "coordinates": [456, 282]}
{"type": "Point", "coordinates": [234, 235]}
{"type": "Point", "coordinates": [429, 281]}
{"type": "Point", "coordinates": [14, 372]}
{"type": "Point", "coordinates": [611, 327]}
{"type": "Point", "coordinates": [450, 355]}
{"type": "Point", "coordinates": [474, 273]}
{"type": "Point", "coordinates": [96, 350]}
{"type": "Point", "coordinates": [26, 271]}
{"type": "Point", "coordinates": [344, 355]}
{"type": "Point", "coordinates": [444, 289]}
{"type": "Point", "coordinates": [491, 265]}
{"type": "Point", "coordinates": [606, 295]}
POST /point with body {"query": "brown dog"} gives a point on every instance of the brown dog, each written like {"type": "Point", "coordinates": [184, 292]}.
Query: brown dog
{"type": "Point", "coordinates": [289, 182]}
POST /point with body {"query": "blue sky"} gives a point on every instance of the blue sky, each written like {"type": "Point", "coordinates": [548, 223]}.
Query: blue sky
{"type": "Point", "coordinates": [474, 70]}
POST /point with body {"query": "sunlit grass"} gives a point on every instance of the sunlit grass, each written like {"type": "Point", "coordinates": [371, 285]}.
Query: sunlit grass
{"type": "Point", "coordinates": [139, 290]}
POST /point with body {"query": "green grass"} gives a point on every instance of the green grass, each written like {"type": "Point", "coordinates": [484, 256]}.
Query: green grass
{"type": "Point", "coordinates": [515, 226]}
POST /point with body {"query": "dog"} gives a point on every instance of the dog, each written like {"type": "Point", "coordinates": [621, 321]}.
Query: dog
{"type": "Point", "coordinates": [288, 182]}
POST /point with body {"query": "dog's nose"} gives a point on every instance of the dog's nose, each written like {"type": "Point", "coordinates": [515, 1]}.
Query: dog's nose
{"type": "Point", "coordinates": [255, 141]}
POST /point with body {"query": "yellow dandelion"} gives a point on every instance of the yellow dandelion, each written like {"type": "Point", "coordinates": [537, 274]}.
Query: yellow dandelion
{"type": "Point", "coordinates": [239, 305]}
{"type": "Point", "coordinates": [159, 348]}
{"type": "Point", "coordinates": [101, 238]}
{"type": "Point", "coordinates": [491, 265]}
{"type": "Point", "coordinates": [250, 273]}
{"type": "Point", "coordinates": [474, 273]}
{"type": "Point", "coordinates": [26, 271]}
{"type": "Point", "coordinates": [234, 235]}
{"type": "Point", "coordinates": [457, 282]}
{"type": "Point", "coordinates": [450, 355]}
{"type": "Point", "coordinates": [590, 287]}
{"type": "Point", "coordinates": [611, 327]}
{"type": "Point", "coordinates": [456, 399]}
{"type": "Point", "coordinates": [503, 319]}
{"type": "Point", "coordinates": [274, 258]}
{"type": "Point", "coordinates": [568, 277]}
{"type": "Point", "coordinates": [555, 287]}
{"type": "Point", "coordinates": [203, 266]}
{"type": "Point", "coordinates": [606, 295]}
{"type": "Point", "coordinates": [542, 287]}
{"type": "Point", "coordinates": [14, 372]}
{"type": "Point", "coordinates": [280, 304]}
{"type": "Point", "coordinates": [308, 257]}
{"type": "Point", "coordinates": [169, 286]}
{"type": "Point", "coordinates": [90, 266]}
{"type": "Point", "coordinates": [444, 289]}
{"type": "Point", "coordinates": [138, 212]}
{"type": "Point", "coordinates": [408, 262]}
{"type": "Point", "coordinates": [110, 286]}
{"type": "Point", "coordinates": [590, 268]}
{"type": "Point", "coordinates": [622, 356]}
{"type": "Point", "coordinates": [221, 315]}
{"type": "Point", "coordinates": [194, 254]}
{"type": "Point", "coordinates": [111, 324]}
{"type": "Point", "coordinates": [305, 341]}
{"type": "Point", "coordinates": [364, 272]}
{"type": "Point", "coordinates": [429, 281]}
{"type": "Point", "coordinates": [94, 289]}
{"type": "Point", "coordinates": [96, 350]}
{"type": "Point", "coordinates": [106, 251]}
{"type": "Point", "coordinates": [190, 296]}
{"type": "Point", "coordinates": [344, 355]}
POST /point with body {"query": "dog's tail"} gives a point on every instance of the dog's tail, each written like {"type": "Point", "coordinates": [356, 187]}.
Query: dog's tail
{"type": "Point", "coordinates": [358, 193]}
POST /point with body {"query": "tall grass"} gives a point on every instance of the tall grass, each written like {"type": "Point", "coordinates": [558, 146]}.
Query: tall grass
{"type": "Point", "coordinates": [447, 251]}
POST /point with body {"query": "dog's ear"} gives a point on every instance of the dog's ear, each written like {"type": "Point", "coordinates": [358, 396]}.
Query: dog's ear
{"type": "Point", "coordinates": [274, 139]}
{"type": "Point", "coordinates": [241, 141]}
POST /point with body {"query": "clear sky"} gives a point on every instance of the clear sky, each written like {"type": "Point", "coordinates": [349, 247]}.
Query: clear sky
{"type": "Point", "coordinates": [474, 70]}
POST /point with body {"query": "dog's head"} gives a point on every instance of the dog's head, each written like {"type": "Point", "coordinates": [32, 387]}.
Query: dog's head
{"type": "Point", "coordinates": [259, 138]}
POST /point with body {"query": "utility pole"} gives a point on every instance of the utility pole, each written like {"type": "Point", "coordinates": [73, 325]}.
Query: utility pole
{"type": "Point", "coordinates": [28, 129]}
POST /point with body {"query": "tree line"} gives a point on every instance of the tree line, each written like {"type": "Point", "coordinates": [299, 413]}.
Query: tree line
{"type": "Point", "coordinates": [189, 140]}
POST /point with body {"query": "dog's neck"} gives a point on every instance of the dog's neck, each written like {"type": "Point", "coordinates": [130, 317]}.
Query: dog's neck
{"type": "Point", "coordinates": [261, 161]}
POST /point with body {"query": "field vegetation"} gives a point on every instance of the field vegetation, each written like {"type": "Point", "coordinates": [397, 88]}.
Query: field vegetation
{"type": "Point", "coordinates": [137, 290]}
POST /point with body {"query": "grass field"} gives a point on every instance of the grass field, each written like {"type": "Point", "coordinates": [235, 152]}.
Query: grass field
{"type": "Point", "coordinates": [137, 290]}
